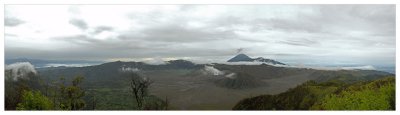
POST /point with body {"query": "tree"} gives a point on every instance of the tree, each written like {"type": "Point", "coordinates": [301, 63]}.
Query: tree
{"type": "Point", "coordinates": [14, 88]}
{"type": "Point", "coordinates": [34, 100]}
{"type": "Point", "coordinates": [94, 102]}
{"type": "Point", "coordinates": [139, 88]}
{"type": "Point", "coordinates": [166, 103]}
{"type": "Point", "coordinates": [13, 94]}
{"type": "Point", "coordinates": [71, 96]}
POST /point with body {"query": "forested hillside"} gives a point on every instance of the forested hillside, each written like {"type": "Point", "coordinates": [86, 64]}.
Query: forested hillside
{"type": "Point", "coordinates": [26, 89]}
{"type": "Point", "coordinates": [330, 95]}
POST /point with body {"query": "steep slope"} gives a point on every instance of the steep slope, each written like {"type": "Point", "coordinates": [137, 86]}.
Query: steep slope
{"type": "Point", "coordinates": [108, 74]}
{"type": "Point", "coordinates": [240, 57]}
{"type": "Point", "coordinates": [245, 58]}
{"type": "Point", "coordinates": [268, 61]}
{"type": "Point", "coordinates": [375, 95]}
{"type": "Point", "coordinates": [334, 95]}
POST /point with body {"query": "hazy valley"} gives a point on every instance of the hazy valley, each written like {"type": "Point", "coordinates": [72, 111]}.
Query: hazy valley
{"type": "Point", "coordinates": [190, 86]}
{"type": "Point", "coordinates": [200, 57]}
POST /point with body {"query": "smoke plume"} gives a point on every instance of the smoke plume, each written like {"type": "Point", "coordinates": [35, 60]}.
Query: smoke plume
{"type": "Point", "coordinates": [239, 50]}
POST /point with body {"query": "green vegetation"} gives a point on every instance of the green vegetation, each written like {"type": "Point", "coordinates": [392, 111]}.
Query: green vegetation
{"type": "Point", "coordinates": [331, 95]}
{"type": "Point", "coordinates": [15, 88]}
{"type": "Point", "coordinates": [71, 96]}
{"type": "Point", "coordinates": [30, 94]}
{"type": "Point", "coordinates": [36, 94]}
{"type": "Point", "coordinates": [34, 100]}
{"type": "Point", "coordinates": [376, 95]}
{"type": "Point", "coordinates": [300, 98]}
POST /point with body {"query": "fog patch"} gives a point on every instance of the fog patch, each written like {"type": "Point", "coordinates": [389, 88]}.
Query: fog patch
{"type": "Point", "coordinates": [213, 71]}
{"type": "Point", "coordinates": [242, 63]}
{"type": "Point", "coordinates": [129, 69]}
{"type": "Point", "coordinates": [231, 75]}
{"type": "Point", "coordinates": [20, 70]}
{"type": "Point", "coordinates": [67, 65]}
{"type": "Point", "coordinates": [155, 61]}
{"type": "Point", "coordinates": [366, 67]}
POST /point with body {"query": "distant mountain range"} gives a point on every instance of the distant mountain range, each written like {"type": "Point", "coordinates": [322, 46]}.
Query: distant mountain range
{"type": "Point", "coordinates": [57, 64]}
{"type": "Point", "coordinates": [245, 58]}
{"type": "Point", "coordinates": [40, 63]}
{"type": "Point", "coordinates": [109, 71]}
{"type": "Point", "coordinates": [248, 73]}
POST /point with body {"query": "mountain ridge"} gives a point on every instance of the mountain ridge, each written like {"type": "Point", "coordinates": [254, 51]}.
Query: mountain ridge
{"type": "Point", "coordinates": [244, 58]}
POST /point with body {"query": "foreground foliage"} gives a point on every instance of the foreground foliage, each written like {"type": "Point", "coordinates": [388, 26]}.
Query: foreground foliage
{"type": "Point", "coordinates": [332, 95]}
{"type": "Point", "coordinates": [34, 100]}
{"type": "Point", "coordinates": [377, 95]}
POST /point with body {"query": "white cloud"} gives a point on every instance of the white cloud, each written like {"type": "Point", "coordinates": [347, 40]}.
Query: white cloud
{"type": "Point", "coordinates": [129, 69]}
{"type": "Point", "coordinates": [213, 71]}
{"type": "Point", "coordinates": [155, 61]}
{"type": "Point", "coordinates": [366, 67]}
{"type": "Point", "coordinates": [324, 34]}
{"type": "Point", "coordinates": [20, 70]}
{"type": "Point", "coordinates": [231, 75]}
{"type": "Point", "coordinates": [68, 65]}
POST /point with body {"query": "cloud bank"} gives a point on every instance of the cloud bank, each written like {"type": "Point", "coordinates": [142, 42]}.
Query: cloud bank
{"type": "Point", "coordinates": [293, 34]}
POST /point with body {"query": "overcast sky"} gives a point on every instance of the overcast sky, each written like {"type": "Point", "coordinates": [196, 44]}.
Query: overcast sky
{"type": "Point", "coordinates": [296, 34]}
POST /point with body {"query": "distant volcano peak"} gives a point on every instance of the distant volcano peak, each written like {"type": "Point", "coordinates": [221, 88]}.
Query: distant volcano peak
{"type": "Point", "coordinates": [244, 58]}
{"type": "Point", "coordinates": [240, 57]}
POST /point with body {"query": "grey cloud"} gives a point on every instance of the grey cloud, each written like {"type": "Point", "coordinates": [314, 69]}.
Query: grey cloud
{"type": "Point", "coordinates": [12, 22]}
{"type": "Point", "coordinates": [305, 23]}
{"type": "Point", "coordinates": [299, 25]}
{"type": "Point", "coordinates": [299, 42]}
{"type": "Point", "coordinates": [78, 39]}
{"type": "Point", "coordinates": [102, 29]}
{"type": "Point", "coordinates": [325, 19]}
{"type": "Point", "coordinates": [97, 45]}
{"type": "Point", "coordinates": [372, 19]}
{"type": "Point", "coordinates": [323, 28]}
{"type": "Point", "coordinates": [114, 52]}
{"type": "Point", "coordinates": [81, 24]}
{"type": "Point", "coordinates": [178, 33]}
{"type": "Point", "coordinates": [228, 21]}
